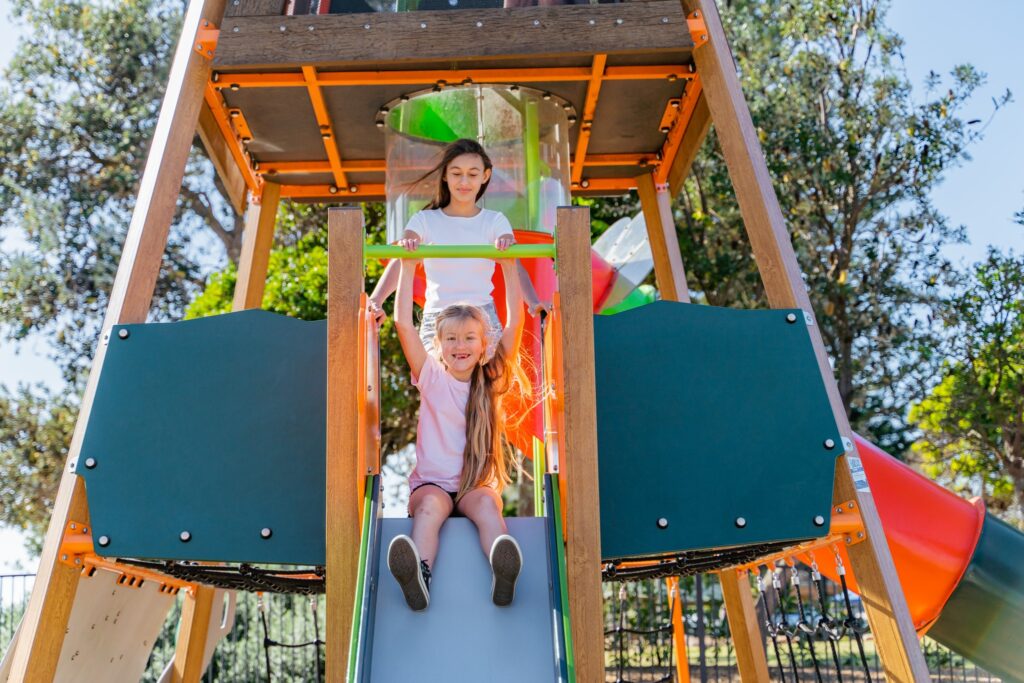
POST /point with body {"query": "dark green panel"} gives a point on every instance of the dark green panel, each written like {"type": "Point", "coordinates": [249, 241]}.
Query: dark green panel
{"type": "Point", "coordinates": [213, 426]}
{"type": "Point", "coordinates": [706, 415]}
{"type": "Point", "coordinates": [984, 618]}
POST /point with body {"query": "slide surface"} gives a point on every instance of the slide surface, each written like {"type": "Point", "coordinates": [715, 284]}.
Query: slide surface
{"type": "Point", "coordinates": [462, 635]}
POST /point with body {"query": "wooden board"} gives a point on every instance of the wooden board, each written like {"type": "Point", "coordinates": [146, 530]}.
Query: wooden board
{"type": "Point", "coordinates": [345, 292]}
{"type": "Point", "coordinates": [256, 243]}
{"type": "Point", "coordinates": [338, 39]}
{"type": "Point", "coordinates": [579, 461]}
{"type": "Point", "coordinates": [220, 155]}
{"type": "Point", "coordinates": [746, 636]}
{"type": "Point", "coordinates": [661, 233]}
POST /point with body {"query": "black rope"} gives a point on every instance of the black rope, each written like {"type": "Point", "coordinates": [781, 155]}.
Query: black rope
{"type": "Point", "coordinates": [852, 622]}
{"type": "Point", "coordinates": [769, 624]}
{"type": "Point", "coordinates": [269, 642]}
{"type": "Point", "coordinates": [783, 626]}
{"type": "Point", "coordinates": [826, 627]}
{"type": "Point", "coordinates": [242, 577]}
{"type": "Point", "coordinates": [688, 563]}
{"type": "Point", "coordinates": [803, 626]}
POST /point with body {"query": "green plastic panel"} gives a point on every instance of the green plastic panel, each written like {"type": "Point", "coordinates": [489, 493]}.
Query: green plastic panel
{"type": "Point", "coordinates": [214, 427]}
{"type": "Point", "coordinates": [707, 416]}
{"type": "Point", "coordinates": [984, 618]}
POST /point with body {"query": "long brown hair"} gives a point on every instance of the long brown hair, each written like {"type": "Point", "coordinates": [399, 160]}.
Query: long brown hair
{"type": "Point", "coordinates": [442, 195]}
{"type": "Point", "coordinates": [484, 457]}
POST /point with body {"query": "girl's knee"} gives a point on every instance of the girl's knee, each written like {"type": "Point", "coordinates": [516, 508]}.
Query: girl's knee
{"type": "Point", "coordinates": [480, 502]}
{"type": "Point", "coordinates": [432, 505]}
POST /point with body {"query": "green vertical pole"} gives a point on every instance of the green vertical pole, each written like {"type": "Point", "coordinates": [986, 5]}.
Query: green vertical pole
{"type": "Point", "coordinates": [531, 146]}
{"type": "Point", "coordinates": [538, 477]}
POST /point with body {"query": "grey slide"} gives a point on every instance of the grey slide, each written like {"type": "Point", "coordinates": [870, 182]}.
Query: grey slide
{"type": "Point", "coordinates": [463, 636]}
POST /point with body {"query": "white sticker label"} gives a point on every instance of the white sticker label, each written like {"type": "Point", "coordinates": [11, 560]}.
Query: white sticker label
{"type": "Point", "coordinates": [860, 479]}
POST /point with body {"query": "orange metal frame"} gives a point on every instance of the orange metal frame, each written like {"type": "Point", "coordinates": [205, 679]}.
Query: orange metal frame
{"type": "Point", "coordinates": [589, 107]}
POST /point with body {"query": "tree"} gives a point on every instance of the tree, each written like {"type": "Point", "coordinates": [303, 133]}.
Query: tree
{"type": "Point", "coordinates": [78, 105]}
{"type": "Point", "coordinates": [854, 161]}
{"type": "Point", "coordinates": [972, 422]}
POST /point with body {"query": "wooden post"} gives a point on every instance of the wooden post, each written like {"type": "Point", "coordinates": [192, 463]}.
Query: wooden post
{"type": "Point", "coordinates": [191, 646]}
{"type": "Point", "coordinates": [579, 464]}
{"type": "Point", "coordinates": [46, 616]}
{"type": "Point", "coordinates": [344, 293]}
{"type": "Point", "coordinates": [256, 242]}
{"type": "Point", "coordinates": [886, 606]}
{"type": "Point", "coordinates": [661, 233]}
{"type": "Point", "coordinates": [746, 636]}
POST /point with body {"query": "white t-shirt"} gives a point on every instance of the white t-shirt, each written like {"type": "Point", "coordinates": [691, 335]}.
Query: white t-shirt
{"type": "Point", "coordinates": [441, 431]}
{"type": "Point", "coordinates": [458, 281]}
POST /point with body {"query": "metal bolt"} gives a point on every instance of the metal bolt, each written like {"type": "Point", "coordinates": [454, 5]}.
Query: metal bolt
{"type": "Point", "coordinates": [366, 27]}
{"type": "Point", "coordinates": [311, 28]}
{"type": "Point", "coordinates": [333, 189]}
{"type": "Point", "coordinates": [791, 318]}
{"type": "Point", "coordinates": [572, 120]}
{"type": "Point", "coordinates": [819, 520]}
{"type": "Point", "coordinates": [123, 333]}
{"type": "Point", "coordinates": [85, 530]}
{"type": "Point", "coordinates": [741, 522]}
{"type": "Point", "coordinates": [592, 22]}
{"type": "Point", "coordinates": [830, 444]}
{"type": "Point", "coordinates": [266, 532]}
{"type": "Point", "coordinates": [64, 558]}
{"type": "Point", "coordinates": [103, 541]}
{"type": "Point", "coordinates": [536, 22]}
{"type": "Point", "coordinates": [78, 560]}
{"type": "Point", "coordinates": [235, 87]}
{"type": "Point", "coordinates": [380, 124]}
{"type": "Point", "coordinates": [235, 29]}
{"type": "Point", "coordinates": [584, 183]}
{"type": "Point", "coordinates": [479, 24]}
{"type": "Point", "coordinates": [546, 96]}
{"type": "Point", "coordinates": [662, 523]}
{"type": "Point", "coordinates": [73, 526]}
{"type": "Point", "coordinates": [850, 505]}
{"type": "Point", "coordinates": [282, 29]}
{"type": "Point", "coordinates": [848, 539]}
{"type": "Point", "coordinates": [619, 22]}
{"type": "Point", "coordinates": [860, 534]}
{"type": "Point", "coordinates": [423, 24]}
{"type": "Point", "coordinates": [839, 510]}
{"type": "Point", "coordinates": [704, 37]}
{"type": "Point", "coordinates": [672, 78]}
{"type": "Point", "coordinates": [236, 2]}
{"type": "Point", "coordinates": [353, 188]}
{"type": "Point", "coordinates": [664, 129]}
{"type": "Point", "coordinates": [185, 536]}
{"type": "Point", "coordinates": [664, 20]}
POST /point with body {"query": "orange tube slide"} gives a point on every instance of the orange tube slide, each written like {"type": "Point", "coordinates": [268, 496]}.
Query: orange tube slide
{"type": "Point", "coordinates": [932, 533]}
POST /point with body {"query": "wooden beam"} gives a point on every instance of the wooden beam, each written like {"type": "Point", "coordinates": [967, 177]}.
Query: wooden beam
{"type": "Point", "coordinates": [661, 233]}
{"type": "Point", "coordinates": [224, 164]}
{"type": "Point", "coordinates": [886, 606]}
{"type": "Point", "coordinates": [579, 462]}
{"type": "Point", "coordinates": [453, 36]}
{"type": "Point", "coordinates": [191, 645]}
{"type": "Point", "coordinates": [256, 243]}
{"type": "Point", "coordinates": [344, 294]}
{"type": "Point", "coordinates": [46, 616]}
{"type": "Point", "coordinates": [255, 8]}
{"type": "Point", "coordinates": [696, 130]}
{"type": "Point", "coordinates": [746, 636]}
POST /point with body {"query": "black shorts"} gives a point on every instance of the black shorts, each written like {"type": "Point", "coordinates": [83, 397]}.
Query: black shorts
{"type": "Point", "coordinates": [455, 508]}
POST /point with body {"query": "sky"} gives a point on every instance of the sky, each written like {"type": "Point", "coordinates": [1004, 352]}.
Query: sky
{"type": "Point", "coordinates": [982, 195]}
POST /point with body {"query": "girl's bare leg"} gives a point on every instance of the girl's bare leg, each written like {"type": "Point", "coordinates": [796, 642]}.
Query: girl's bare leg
{"type": "Point", "coordinates": [483, 506]}
{"type": "Point", "coordinates": [430, 507]}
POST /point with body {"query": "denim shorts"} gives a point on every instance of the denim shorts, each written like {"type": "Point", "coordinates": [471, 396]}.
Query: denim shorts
{"type": "Point", "coordinates": [493, 332]}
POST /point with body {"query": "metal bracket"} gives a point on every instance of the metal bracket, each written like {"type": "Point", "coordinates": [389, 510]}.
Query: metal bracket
{"type": "Point", "coordinates": [809, 318]}
{"type": "Point", "coordinates": [206, 39]}
{"type": "Point", "coordinates": [75, 545]}
{"type": "Point", "coordinates": [698, 29]}
{"type": "Point", "coordinates": [846, 520]}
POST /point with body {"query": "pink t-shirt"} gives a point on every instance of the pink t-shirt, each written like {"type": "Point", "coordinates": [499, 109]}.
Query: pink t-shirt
{"type": "Point", "coordinates": [441, 432]}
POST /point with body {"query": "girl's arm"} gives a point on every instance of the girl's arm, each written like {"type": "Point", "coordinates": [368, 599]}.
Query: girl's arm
{"type": "Point", "coordinates": [513, 307]}
{"type": "Point", "coordinates": [533, 303]}
{"type": "Point", "coordinates": [408, 337]}
{"type": "Point", "coordinates": [388, 282]}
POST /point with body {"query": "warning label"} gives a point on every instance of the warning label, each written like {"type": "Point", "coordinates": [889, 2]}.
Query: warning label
{"type": "Point", "coordinates": [860, 479]}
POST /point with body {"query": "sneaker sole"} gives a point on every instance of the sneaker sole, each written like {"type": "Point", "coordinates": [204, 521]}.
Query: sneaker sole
{"type": "Point", "coordinates": [506, 563]}
{"type": "Point", "coordinates": [405, 567]}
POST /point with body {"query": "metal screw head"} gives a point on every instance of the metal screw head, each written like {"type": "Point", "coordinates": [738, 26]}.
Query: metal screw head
{"type": "Point", "coordinates": [592, 22]}
{"type": "Point", "coordinates": [536, 22]}
{"type": "Point", "coordinates": [672, 78]}
{"type": "Point", "coordinates": [90, 463]}
{"type": "Point", "coordinates": [829, 444]}
{"type": "Point", "coordinates": [839, 509]}
{"type": "Point", "coordinates": [73, 526]}
{"type": "Point", "coordinates": [235, 87]}
{"type": "Point", "coordinates": [662, 523]}
{"type": "Point", "coordinates": [311, 28]}
{"type": "Point", "coordinates": [741, 522]}
{"type": "Point", "coordinates": [819, 520]}
{"type": "Point", "coordinates": [379, 124]}
{"type": "Point", "coordinates": [353, 188]}
{"type": "Point", "coordinates": [282, 28]}
{"type": "Point", "coordinates": [103, 541]}
{"type": "Point", "coordinates": [185, 536]}
{"type": "Point", "coordinates": [235, 29]}
{"type": "Point", "coordinates": [860, 534]}
{"type": "Point", "coordinates": [791, 318]}
{"type": "Point", "coordinates": [266, 532]}
{"type": "Point", "coordinates": [366, 27]}
{"type": "Point", "coordinates": [664, 129]}
{"type": "Point", "coordinates": [333, 189]}
{"type": "Point", "coordinates": [584, 183]}
{"type": "Point", "coordinates": [664, 20]}
{"type": "Point", "coordinates": [78, 560]}
{"type": "Point", "coordinates": [479, 24]}
{"type": "Point", "coordinates": [423, 24]}
{"type": "Point", "coordinates": [123, 333]}
{"type": "Point", "coordinates": [850, 505]}
{"type": "Point", "coordinates": [64, 558]}
{"type": "Point", "coordinates": [619, 22]}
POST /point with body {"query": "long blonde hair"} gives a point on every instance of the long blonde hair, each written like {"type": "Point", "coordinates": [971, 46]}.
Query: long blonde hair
{"type": "Point", "coordinates": [485, 460]}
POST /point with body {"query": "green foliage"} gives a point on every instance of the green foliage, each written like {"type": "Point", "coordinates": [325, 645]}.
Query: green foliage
{"type": "Point", "coordinates": [854, 158]}
{"type": "Point", "coordinates": [972, 422]}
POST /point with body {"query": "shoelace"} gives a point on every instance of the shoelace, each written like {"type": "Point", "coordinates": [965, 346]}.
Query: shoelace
{"type": "Point", "coordinates": [425, 570]}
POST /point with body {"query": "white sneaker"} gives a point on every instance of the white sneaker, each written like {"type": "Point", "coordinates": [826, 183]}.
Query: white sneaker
{"type": "Point", "coordinates": [407, 568]}
{"type": "Point", "coordinates": [506, 562]}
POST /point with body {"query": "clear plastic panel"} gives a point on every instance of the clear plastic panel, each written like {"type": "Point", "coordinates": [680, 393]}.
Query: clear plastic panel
{"type": "Point", "coordinates": [524, 131]}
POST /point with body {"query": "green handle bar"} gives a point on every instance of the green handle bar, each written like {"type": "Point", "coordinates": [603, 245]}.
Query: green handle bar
{"type": "Point", "coordinates": [381, 251]}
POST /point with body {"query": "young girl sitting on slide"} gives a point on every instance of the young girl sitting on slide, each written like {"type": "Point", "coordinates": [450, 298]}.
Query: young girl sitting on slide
{"type": "Point", "coordinates": [453, 217]}
{"type": "Point", "coordinates": [460, 463]}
